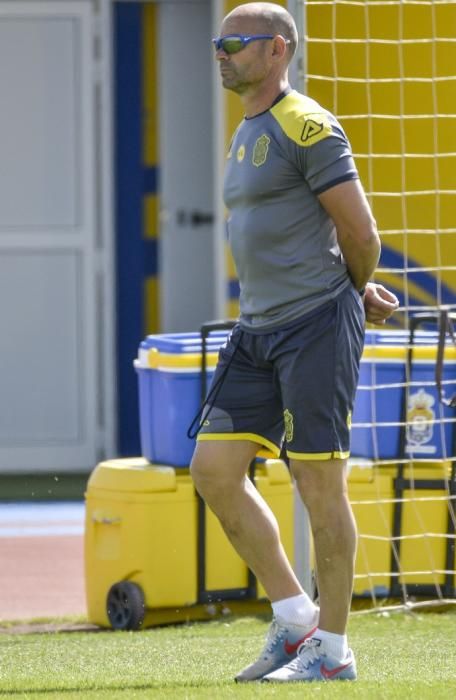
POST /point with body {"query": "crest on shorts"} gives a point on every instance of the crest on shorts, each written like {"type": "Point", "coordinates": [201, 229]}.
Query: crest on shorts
{"type": "Point", "coordinates": [260, 150]}
{"type": "Point", "coordinates": [288, 419]}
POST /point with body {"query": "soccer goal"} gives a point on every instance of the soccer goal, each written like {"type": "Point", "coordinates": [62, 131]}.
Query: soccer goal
{"type": "Point", "coordinates": [387, 69]}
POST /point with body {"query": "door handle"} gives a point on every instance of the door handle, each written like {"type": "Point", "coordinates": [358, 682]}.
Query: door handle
{"type": "Point", "coordinates": [194, 218]}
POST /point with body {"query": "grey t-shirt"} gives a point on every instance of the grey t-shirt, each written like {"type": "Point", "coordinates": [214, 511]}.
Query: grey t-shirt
{"type": "Point", "coordinates": [283, 242]}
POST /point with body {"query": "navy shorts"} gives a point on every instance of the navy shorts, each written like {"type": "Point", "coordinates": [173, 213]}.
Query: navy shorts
{"type": "Point", "coordinates": [295, 384]}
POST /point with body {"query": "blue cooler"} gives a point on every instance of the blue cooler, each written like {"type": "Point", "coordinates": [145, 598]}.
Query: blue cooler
{"type": "Point", "coordinates": [380, 398]}
{"type": "Point", "coordinates": [169, 375]}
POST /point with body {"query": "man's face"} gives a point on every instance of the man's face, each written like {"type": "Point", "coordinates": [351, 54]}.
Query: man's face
{"type": "Point", "coordinates": [251, 65]}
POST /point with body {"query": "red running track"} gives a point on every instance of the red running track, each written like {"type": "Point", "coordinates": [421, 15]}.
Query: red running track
{"type": "Point", "coordinates": [41, 575]}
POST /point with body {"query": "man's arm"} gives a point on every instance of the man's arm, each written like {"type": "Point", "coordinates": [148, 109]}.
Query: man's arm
{"type": "Point", "coordinates": [357, 234]}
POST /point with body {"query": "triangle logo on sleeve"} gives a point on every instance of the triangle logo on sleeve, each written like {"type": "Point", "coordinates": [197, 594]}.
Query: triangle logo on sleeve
{"type": "Point", "coordinates": [311, 129]}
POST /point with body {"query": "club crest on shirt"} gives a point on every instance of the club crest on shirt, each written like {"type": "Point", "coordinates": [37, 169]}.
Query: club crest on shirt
{"type": "Point", "coordinates": [260, 150]}
{"type": "Point", "coordinates": [240, 153]}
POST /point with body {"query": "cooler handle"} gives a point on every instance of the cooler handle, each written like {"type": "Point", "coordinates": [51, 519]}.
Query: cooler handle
{"type": "Point", "coordinates": [444, 322]}
{"type": "Point", "coordinates": [103, 520]}
{"type": "Point", "coordinates": [205, 330]}
{"type": "Point", "coordinates": [445, 326]}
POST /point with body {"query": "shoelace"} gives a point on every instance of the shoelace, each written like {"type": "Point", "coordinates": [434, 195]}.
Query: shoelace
{"type": "Point", "coordinates": [308, 652]}
{"type": "Point", "coordinates": [275, 635]}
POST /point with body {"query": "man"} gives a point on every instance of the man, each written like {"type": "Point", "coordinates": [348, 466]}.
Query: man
{"type": "Point", "coordinates": [305, 245]}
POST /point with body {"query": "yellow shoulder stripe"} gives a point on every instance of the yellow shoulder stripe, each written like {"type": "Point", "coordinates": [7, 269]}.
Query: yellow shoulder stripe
{"type": "Point", "coordinates": [302, 119]}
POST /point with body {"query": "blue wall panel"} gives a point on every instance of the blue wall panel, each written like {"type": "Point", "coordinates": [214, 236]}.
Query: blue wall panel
{"type": "Point", "coordinates": [129, 216]}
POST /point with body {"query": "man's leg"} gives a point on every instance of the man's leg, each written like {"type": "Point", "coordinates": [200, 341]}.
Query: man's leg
{"type": "Point", "coordinates": [219, 471]}
{"type": "Point", "coordinates": [323, 488]}
{"type": "Point", "coordinates": [326, 656]}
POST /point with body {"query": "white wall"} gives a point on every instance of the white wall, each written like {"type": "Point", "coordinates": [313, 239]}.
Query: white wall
{"type": "Point", "coordinates": [53, 260]}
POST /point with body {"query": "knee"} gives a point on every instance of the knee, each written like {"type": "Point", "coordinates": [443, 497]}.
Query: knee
{"type": "Point", "coordinates": [320, 485]}
{"type": "Point", "coordinates": [202, 475]}
{"type": "Point", "coordinates": [211, 478]}
{"type": "Point", "coordinates": [310, 491]}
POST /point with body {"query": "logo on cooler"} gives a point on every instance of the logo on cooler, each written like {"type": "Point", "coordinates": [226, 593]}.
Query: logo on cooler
{"type": "Point", "coordinates": [420, 418]}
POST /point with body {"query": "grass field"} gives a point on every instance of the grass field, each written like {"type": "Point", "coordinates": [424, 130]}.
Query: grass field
{"type": "Point", "coordinates": [399, 656]}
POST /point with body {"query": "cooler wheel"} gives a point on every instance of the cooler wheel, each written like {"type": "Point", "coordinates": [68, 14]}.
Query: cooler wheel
{"type": "Point", "coordinates": [125, 606]}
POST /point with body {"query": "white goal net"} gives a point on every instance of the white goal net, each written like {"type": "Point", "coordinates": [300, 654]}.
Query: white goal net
{"type": "Point", "coordinates": [387, 70]}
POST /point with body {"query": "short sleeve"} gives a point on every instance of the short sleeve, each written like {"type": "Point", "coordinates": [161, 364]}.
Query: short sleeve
{"type": "Point", "coordinates": [315, 142]}
{"type": "Point", "coordinates": [327, 162]}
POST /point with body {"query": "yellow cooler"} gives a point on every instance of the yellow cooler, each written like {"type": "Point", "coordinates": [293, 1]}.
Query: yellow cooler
{"type": "Point", "coordinates": [426, 521]}
{"type": "Point", "coordinates": [370, 492]}
{"type": "Point", "coordinates": [150, 546]}
{"type": "Point", "coordinates": [405, 520]}
{"type": "Point", "coordinates": [140, 533]}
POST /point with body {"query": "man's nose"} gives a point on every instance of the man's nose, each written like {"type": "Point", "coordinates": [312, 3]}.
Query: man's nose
{"type": "Point", "coordinates": [221, 55]}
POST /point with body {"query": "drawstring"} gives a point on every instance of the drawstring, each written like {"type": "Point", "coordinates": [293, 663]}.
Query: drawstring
{"type": "Point", "coordinates": [199, 419]}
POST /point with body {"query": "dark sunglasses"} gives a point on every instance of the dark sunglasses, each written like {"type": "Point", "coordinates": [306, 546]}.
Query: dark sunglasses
{"type": "Point", "coordinates": [233, 43]}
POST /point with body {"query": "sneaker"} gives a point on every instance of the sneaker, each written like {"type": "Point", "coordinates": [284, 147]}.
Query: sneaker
{"type": "Point", "coordinates": [282, 643]}
{"type": "Point", "coordinates": [312, 663]}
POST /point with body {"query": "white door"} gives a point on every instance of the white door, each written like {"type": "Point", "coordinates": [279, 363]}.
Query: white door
{"type": "Point", "coordinates": [189, 250]}
{"type": "Point", "coordinates": [51, 253]}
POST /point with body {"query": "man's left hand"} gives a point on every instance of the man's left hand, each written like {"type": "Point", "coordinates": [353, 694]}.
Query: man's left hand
{"type": "Point", "coordinates": [379, 303]}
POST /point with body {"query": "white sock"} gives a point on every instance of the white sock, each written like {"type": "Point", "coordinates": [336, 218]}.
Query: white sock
{"type": "Point", "coordinates": [334, 644]}
{"type": "Point", "coordinates": [299, 609]}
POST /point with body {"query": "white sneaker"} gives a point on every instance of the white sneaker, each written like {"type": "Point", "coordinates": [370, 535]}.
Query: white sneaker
{"type": "Point", "coordinates": [282, 643]}
{"type": "Point", "coordinates": [312, 663]}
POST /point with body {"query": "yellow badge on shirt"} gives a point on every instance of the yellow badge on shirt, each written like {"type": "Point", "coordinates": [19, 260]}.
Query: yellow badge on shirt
{"type": "Point", "coordinates": [260, 150]}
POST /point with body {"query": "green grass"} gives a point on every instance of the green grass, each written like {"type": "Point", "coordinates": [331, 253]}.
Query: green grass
{"type": "Point", "coordinates": [64, 620]}
{"type": "Point", "coordinates": [398, 656]}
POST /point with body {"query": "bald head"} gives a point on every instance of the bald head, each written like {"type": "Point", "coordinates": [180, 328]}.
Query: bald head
{"type": "Point", "coordinates": [268, 18]}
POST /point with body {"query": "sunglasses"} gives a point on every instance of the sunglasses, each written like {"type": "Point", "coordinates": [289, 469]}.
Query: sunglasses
{"type": "Point", "coordinates": [233, 43]}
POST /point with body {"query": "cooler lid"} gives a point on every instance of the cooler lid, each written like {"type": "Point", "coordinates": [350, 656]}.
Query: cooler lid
{"type": "Point", "coordinates": [135, 475]}
{"type": "Point", "coordinates": [182, 343]}
{"type": "Point", "coordinates": [366, 471]}
{"type": "Point", "coordinates": [394, 345]}
{"type": "Point", "coordinates": [400, 337]}
{"type": "Point", "coordinates": [178, 352]}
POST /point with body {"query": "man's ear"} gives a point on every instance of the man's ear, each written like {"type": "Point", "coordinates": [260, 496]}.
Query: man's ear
{"type": "Point", "coordinates": [279, 46]}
